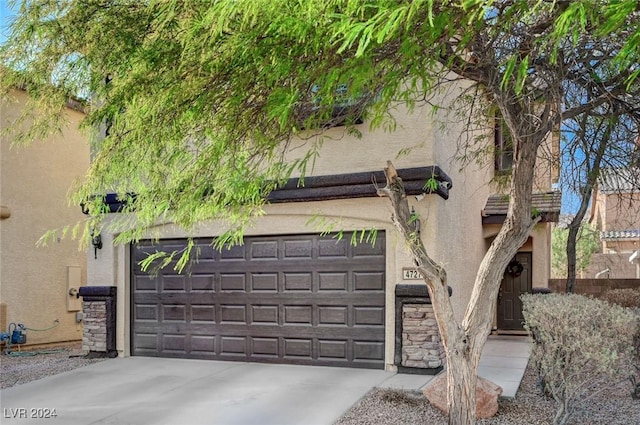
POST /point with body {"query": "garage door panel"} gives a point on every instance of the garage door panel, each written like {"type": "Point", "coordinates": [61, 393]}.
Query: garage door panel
{"type": "Point", "coordinates": [368, 350]}
{"type": "Point", "coordinates": [264, 347]}
{"type": "Point", "coordinates": [144, 283]}
{"type": "Point", "coordinates": [332, 248]}
{"type": "Point", "coordinates": [328, 281]}
{"type": "Point", "coordinates": [173, 283]}
{"type": "Point", "coordinates": [296, 330]}
{"type": "Point", "coordinates": [202, 282]}
{"type": "Point", "coordinates": [298, 347]}
{"type": "Point", "coordinates": [172, 298]}
{"type": "Point", "coordinates": [146, 341]}
{"type": "Point", "coordinates": [232, 282]}
{"type": "Point", "coordinates": [263, 250]}
{"type": "Point", "coordinates": [295, 299]}
{"type": "Point", "coordinates": [325, 265]}
{"type": "Point", "coordinates": [203, 344]}
{"type": "Point", "coordinates": [365, 315]}
{"type": "Point", "coordinates": [298, 249]}
{"type": "Point", "coordinates": [368, 281]}
{"type": "Point", "coordinates": [234, 346]}
{"type": "Point", "coordinates": [298, 314]}
{"type": "Point", "coordinates": [174, 313]}
{"type": "Point", "coordinates": [203, 313]}
{"type": "Point", "coordinates": [235, 252]}
{"type": "Point", "coordinates": [297, 281]}
{"type": "Point", "coordinates": [146, 312]}
{"type": "Point", "coordinates": [230, 313]}
{"type": "Point", "coordinates": [361, 298]}
{"type": "Point", "coordinates": [332, 349]}
{"type": "Point", "coordinates": [333, 315]}
{"type": "Point", "coordinates": [265, 314]}
{"type": "Point", "coordinates": [174, 343]}
{"type": "Point", "coordinates": [264, 282]}
{"type": "Point", "coordinates": [368, 249]}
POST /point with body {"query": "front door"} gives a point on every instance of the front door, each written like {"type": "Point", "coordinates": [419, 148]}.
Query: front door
{"type": "Point", "coordinates": [516, 281]}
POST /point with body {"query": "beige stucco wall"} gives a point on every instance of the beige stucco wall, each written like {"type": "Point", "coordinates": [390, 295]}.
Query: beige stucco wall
{"type": "Point", "coordinates": [539, 244]}
{"type": "Point", "coordinates": [451, 229]}
{"type": "Point", "coordinates": [622, 211]}
{"type": "Point", "coordinates": [615, 211]}
{"type": "Point", "coordinates": [34, 183]}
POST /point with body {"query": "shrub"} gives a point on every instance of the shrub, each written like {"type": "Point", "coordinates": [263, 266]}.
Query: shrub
{"type": "Point", "coordinates": [580, 345]}
{"type": "Point", "coordinates": [629, 298]}
{"type": "Point", "coordinates": [623, 297]}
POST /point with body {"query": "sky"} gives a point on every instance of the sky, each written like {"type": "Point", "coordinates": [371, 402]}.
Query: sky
{"type": "Point", "coordinates": [5, 14]}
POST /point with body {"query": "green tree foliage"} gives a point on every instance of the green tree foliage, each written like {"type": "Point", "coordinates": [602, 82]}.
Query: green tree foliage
{"type": "Point", "coordinates": [587, 243]}
{"type": "Point", "coordinates": [203, 100]}
{"type": "Point", "coordinates": [178, 70]}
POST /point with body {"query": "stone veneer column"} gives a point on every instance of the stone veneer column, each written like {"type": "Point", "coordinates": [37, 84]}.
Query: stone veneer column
{"type": "Point", "coordinates": [99, 320]}
{"type": "Point", "coordinates": [419, 346]}
{"type": "Point", "coordinates": [94, 334]}
{"type": "Point", "coordinates": [421, 343]}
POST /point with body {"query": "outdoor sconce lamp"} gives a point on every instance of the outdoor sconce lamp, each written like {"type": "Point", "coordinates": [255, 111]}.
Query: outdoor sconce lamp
{"type": "Point", "coordinates": [96, 241]}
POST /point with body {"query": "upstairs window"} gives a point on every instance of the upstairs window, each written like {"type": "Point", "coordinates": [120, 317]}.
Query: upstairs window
{"type": "Point", "coordinates": [345, 110]}
{"type": "Point", "coordinates": [503, 147]}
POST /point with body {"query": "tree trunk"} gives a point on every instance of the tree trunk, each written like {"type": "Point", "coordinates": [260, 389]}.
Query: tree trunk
{"type": "Point", "coordinates": [572, 239]}
{"type": "Point", "coordinates": [585, 197]}
{"type": "Point", "coordinates": [463, 343]}
{"type": "Point", "coordinates": [461, 388]}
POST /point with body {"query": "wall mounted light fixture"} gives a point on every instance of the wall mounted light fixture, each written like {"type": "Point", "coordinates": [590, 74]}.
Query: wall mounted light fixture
{"type": "Point", "coordinates": [96, 241]}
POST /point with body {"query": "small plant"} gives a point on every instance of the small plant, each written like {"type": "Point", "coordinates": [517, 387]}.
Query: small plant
{"type": "Point", "coordinates": [395, 396]}
{"type": "Point", "coordinates": [581, 345]}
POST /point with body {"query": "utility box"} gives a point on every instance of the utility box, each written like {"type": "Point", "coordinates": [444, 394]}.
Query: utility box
{"type": "Point", "coordinates": [74, 281]}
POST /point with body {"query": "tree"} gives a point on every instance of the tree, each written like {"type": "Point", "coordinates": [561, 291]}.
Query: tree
{"type": "Point", "coordinates": [201, 100]}
{"type": "Point", "coordinates": [603, 137]}
{"type": "Point", "coordinates": [587, 242]}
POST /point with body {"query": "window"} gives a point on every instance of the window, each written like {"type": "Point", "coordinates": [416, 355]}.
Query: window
{"type": "Point", "coordinates": [345, 110]}
{"type": "Point", "coordinates": [503, 148]}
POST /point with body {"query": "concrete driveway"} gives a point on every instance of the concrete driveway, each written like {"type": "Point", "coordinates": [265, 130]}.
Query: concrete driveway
{"type": "Point", "coordinates": [140, 391]}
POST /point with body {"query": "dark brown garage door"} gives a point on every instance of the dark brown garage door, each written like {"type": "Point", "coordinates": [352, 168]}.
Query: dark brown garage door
{"type": "Point", "coordinates": [289, 299]}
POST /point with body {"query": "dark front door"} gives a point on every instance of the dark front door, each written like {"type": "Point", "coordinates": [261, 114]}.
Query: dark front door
{"type": "Point", "coordinates": [516, 281]}
{"type": "Point", "coordinates": [303, 299]}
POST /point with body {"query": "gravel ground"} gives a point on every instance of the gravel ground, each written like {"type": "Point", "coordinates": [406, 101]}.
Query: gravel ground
{"type": "Point", "coordinates": [20, 370]}
{"type": "Point", "coordinates": [611, 407]}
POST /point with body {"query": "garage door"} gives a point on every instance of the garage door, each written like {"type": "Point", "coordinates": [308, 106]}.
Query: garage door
{"type": "Point", "coordinates": [303, 299]}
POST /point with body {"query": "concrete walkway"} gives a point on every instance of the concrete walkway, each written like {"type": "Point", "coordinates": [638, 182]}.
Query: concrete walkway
{"type": "Point", "coordinates": [153, 391]}
{"type": "Point", "coordinates": [504, 360]}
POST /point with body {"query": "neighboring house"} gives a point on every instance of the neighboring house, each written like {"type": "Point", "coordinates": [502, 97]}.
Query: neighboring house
{"type": "Point", "coordinates": [35, 281]}
{"type": "Point", "coordinates": [290, 295]}
{"type": "Point", "coordinates": [615, 213]}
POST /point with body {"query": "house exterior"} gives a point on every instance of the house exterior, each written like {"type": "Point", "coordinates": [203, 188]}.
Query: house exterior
{"type": "Point", "coordinates": [615, 213]}
{"type": "Point", "coordinates": [290, 295]}
{"type": "Point", "coordinates": [34, 180]}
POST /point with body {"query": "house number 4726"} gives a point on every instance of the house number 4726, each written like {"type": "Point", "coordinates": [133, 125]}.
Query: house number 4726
{"type": "Point", "coordinates": [411, 274]}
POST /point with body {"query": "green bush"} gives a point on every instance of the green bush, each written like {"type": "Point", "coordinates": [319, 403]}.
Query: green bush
{"type": "Point", "coordinates": [623, 297]}
{"type": "Point", "coordinates": [581, 345]}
